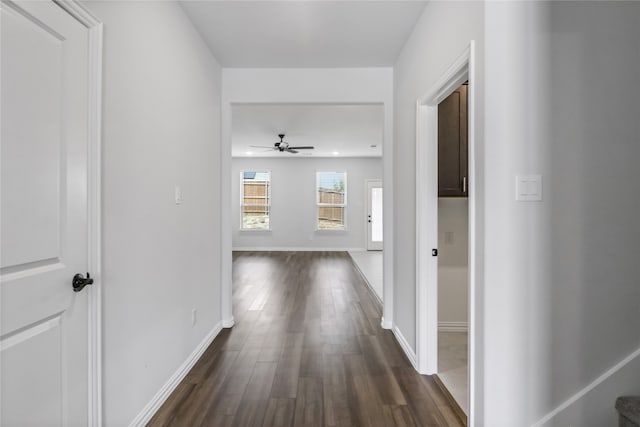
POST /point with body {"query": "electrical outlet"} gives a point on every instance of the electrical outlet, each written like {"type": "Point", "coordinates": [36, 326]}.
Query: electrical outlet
{"type": "Point", "coordinates": [448, 237]}
{"type": "Point", "coordinates": [178, 195]}
{"type": "Point", "coordinates": [194, 316]}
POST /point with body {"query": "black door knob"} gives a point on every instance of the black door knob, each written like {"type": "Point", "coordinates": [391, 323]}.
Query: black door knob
{"type": "Point", "coordinates": [79, 282]}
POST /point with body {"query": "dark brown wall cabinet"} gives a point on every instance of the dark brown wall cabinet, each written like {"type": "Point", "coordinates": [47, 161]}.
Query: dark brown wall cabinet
{"type": "Point", "coordinates": [452, 145]}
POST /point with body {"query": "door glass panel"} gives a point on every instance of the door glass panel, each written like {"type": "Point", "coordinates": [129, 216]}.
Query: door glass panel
{"type": "Point", "coordinates": [376, 214]}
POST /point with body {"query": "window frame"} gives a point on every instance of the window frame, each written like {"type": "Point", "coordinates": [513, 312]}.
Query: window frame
{"type": "Point", "coordinates": [242, 197]}
{"type": "Point", "coordinates": [331, 205]}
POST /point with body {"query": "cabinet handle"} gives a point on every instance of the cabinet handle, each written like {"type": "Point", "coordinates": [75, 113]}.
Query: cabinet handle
{"type": "Point", "coordinates": [464, 184]}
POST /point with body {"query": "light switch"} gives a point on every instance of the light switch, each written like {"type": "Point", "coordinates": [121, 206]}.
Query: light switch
{"type": "Point", "coordinates": [178, 195]}
{"type": "Point", "coordinates": [528, 188]}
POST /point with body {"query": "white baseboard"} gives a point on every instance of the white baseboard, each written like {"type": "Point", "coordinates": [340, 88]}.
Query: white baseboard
{"type": "Point", "coordinates": [386, 324]}
{"type": "Point", "coordinates": [161, 396]}
{"type": "Point", "coordinates": [228, 323]}
{"type": "Point", "coordinates": [453, 327]}
{"type": "Point", "coordinates": [593, 405]}
{"type": "Point", "coordinates": [411, 355]}
{"type": "Point", "coordinates": [295, 249]}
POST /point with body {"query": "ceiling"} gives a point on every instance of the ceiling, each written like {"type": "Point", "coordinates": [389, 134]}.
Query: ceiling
{"type": "Point", "coordinates": [305, 33]}
{"type": "Point", "coordinates": [301, 34]}
{"type": "Point", "coordinates": [334, 130]}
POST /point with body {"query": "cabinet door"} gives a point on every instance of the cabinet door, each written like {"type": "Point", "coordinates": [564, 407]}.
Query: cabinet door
{"type": "Point", "coordinates": [452, 145]}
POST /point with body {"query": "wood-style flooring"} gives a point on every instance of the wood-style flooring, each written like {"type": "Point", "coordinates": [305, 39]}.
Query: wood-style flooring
{"type": "Point", "coordinates": [307, 349]}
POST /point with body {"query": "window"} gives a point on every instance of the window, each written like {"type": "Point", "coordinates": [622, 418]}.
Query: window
{"type": "Point", "coordinates": [255, 199]}
{"type": "Point", "coordinates": [332, 200]}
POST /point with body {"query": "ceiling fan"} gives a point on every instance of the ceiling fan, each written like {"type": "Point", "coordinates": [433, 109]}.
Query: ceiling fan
{"type": "Point", "coordinates": [284, 146]}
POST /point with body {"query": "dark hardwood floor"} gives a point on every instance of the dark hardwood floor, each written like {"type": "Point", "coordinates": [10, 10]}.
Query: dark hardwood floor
{"type": "Point", "coordinates": [307, 350]}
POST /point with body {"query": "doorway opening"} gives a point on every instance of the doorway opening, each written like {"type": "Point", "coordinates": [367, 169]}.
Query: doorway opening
{"type": "Point", "coordinates": [445, 263]}
{"type": "Point", "coordinates": [453, 241]}
{"type": "Point", "coordinates": [323, 194]}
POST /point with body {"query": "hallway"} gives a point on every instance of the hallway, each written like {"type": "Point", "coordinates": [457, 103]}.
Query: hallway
{"type": "Point", "coordinates": [307, 350]}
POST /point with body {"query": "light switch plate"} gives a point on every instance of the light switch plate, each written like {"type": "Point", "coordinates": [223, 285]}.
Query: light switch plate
{"type": "Point", "coordinates": [529, 188]}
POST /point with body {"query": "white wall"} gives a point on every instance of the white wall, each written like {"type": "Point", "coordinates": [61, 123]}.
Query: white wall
{"type": "Point", "coordinates": [562, 296]}
{"type": "Point", "coordinates": [557, 291]}
{"type": "Point", "coordinates": [453, 243]}
{"type": "Point", "coordinates": [594, 407]}
{"type": "Point", "coordinates": [293, 203]}
{"type": "Point", "coordinates": [442, 34]}
{"type": "Point", "coordinates": [161, 128]}
{"type": "Point", "coordinates": [315, 86]}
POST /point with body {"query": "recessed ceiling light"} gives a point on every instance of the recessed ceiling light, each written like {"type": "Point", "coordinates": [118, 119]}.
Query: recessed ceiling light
{"type": "Point", "coordinates": [335, 153]}
{"type": "Point", "coordinates": [249, 153]}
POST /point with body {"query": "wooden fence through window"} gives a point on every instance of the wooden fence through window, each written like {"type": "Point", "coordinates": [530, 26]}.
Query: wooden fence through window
{"type": "Point", "coordinates": [333, 197]}
{"type": "Point", "coordinates": [257, 194]}
{"type": "Point", "coordinates": [256, 197]}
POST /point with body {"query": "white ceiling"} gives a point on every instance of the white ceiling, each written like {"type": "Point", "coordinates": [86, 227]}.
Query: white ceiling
{"type": "Point", "coordinates": [299, 34]}
{"type": "Point", "coordinates": [348, 130]}
{"type": "Point", "coordinates": [305, 33]}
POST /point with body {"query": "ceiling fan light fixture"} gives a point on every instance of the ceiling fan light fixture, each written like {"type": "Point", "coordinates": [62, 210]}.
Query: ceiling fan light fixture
{"type": "Point", "coordinates": [283, 146]}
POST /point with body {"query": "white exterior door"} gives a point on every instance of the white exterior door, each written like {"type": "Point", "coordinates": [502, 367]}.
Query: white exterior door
{"type": "Point", "coordinates": [374, 215]}
{"type": "Point", "coordinates": [43, 223]}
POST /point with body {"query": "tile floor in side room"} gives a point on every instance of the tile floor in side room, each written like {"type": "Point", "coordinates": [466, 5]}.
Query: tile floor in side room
{"type": "Point", "coordinates": [370, 264]}
{"type": "Point", "coordinates": [453, 365]}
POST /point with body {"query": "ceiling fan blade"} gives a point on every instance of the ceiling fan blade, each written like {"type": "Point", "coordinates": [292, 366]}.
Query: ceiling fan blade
{"type": "Point", "coordinates": [289, 150]}
{"type": "Point", "coordinates": [304, 147]}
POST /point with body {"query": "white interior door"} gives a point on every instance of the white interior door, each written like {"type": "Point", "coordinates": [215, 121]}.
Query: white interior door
{"type": "Point", "coordinates": [374, 215]}
{"type": "Point", "coordinates": [43, 223]}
